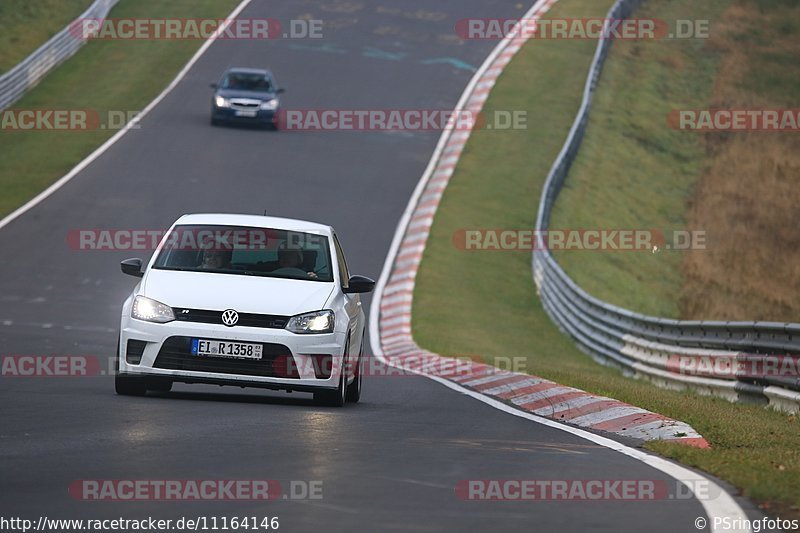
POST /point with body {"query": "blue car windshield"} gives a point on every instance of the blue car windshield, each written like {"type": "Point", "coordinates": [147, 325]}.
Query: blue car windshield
{"type": "Point", "coordinates": [241, 81]}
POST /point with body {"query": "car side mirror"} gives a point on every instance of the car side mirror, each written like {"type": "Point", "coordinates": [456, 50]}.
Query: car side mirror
{"type": "Point", "coordinates": [214, 86]}
{"type": "Point", "coordinates": [132, 267]}
{"type": "Point", "coordinates": [280, 91]}
{"type": "Point", "coordinates": [359, 284]}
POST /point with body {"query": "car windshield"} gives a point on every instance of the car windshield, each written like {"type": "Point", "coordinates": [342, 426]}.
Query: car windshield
{"type": "Point", "coordinates": [247, 251]}
{"type": "Point", "coordinates": [244, 81]}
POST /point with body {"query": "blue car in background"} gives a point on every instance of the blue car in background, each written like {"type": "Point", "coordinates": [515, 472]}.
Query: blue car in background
{"type": "Point", "coordinates": [246, 95]}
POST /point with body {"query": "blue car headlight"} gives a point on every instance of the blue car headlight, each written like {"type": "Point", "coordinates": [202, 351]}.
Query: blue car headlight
{"type": "Point", "coordinates": [270, 105]}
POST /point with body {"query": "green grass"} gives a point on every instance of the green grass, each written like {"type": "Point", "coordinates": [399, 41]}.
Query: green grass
{"type": "Point", "coordinates": [25, 25]}
{"type": "Point", "coordinates": [632, 170]}
{"type": "Point", "coordinates": [485, 302]}
{"type": "Point", "coordinates": [104, 75]}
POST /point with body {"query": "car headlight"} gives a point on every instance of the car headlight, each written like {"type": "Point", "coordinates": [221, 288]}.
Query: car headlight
{"type": "Point", "coordinates": [150, 310]}
{"type": "Point", "coordinates": [222, 102]}
{"type": "Point", "coordinates": [317, 322]}
{"type": "Point", "coordinates": [270, 105]}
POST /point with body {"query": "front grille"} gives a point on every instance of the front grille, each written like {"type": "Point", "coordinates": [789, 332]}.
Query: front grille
{"type": "Point", "coordinates": [252, 320]}
{"type": "Point", "coordinates": [245, 104]}
{"type": "Point", "coordinates": [276, 360]}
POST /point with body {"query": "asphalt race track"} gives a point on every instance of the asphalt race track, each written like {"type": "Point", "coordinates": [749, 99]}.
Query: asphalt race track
{"type": "Point", "coordinates": [391, 462]}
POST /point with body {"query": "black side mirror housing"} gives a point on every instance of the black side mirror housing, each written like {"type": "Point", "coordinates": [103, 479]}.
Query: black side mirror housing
{"type": "Point", "coordinates": [132, 267]}
{"type": "Point", "coordinates": [214, 85]}
{"type": "Point", "coordinates": [359, 284]}
{"type": "Point", "coordinates": [280, 91]}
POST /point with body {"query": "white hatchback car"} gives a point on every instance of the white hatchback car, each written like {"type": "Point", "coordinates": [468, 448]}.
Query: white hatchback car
{"type": "Point", "coordinates": [244, 300]}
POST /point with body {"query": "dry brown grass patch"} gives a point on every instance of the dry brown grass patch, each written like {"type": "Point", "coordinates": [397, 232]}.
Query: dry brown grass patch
{"type": "Point", "coordinates": [748, 200]}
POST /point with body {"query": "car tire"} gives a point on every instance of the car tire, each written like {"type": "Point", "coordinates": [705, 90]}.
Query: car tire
{"type": "Point", "coordinates": [130, 385]}
{"type": "Point", "coordinates": [354, 389]}
{"type": "Point", "coordinates": [215, 121]}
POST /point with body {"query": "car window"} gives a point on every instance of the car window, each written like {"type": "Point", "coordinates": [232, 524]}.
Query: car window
{"type": "Point", "coordinates": [247, 251]}
{"type": "Point", "coordinates": [247, 82]}
{"type": "Point", "coordinates": [344, 273]}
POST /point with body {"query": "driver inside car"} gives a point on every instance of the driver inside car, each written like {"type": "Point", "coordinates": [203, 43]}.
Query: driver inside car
{"type": "Point", "coordinates": [290, 261]}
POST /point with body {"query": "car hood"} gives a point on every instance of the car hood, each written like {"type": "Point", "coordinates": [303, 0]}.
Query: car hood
{"type": "Point", "coordinates": [245, 294]}
{"type": "Point", "coordinates": [256, 95]}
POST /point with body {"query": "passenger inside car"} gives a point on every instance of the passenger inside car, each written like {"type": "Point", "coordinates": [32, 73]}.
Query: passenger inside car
{"type": "Point", "coordinates": [216, 260]}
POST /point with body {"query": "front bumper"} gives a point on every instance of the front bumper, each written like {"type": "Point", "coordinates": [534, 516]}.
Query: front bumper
{"type": "Point", "coordinates": [161, 349]}
{"type": "Point", "coordinates": [226, 114]}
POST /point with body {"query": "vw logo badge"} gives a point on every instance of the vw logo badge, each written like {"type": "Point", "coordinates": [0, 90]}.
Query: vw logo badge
{"type": "Point", "coordinates": [230, 318]}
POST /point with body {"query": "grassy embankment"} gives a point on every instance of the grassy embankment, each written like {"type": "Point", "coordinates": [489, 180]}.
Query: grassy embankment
{"type": "Point", "coordinates": [25, 25]}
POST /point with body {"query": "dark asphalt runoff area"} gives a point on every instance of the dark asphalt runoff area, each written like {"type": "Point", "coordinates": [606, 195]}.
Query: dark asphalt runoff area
{"type": "Point", "coordinates": [391, 462]}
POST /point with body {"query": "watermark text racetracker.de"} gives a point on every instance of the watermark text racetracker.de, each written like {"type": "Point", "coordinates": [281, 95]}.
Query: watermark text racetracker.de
{"type": "Point", "coordinates": [738, 366]}
{"type": "Point", "coordinates": [581, 28]}
{"type": "Point", "coordinates": [23, 120]}
{"type": "Point", "coordinates": [400, 120]}
{"type": "Point", "coordinates": [734, 120]}
{"type": "Point", "coordinates": [134, 490]}
{"type": "Point", "coordinates": [404, 365]}
{"type": "Point", "coordinates": [589, 490]}
{"type": "Point", "coordinates": [180, 29]}
{"type": "Point", "coordinates": [52, 366]}
{"type": "Point", "coordinates": [188, 239]}
{"type": "Point", "coordinates": [595, 239]}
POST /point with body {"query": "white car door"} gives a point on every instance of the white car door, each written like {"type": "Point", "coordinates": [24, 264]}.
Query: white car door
{"type": "Point", "coordinates": [351, 306]}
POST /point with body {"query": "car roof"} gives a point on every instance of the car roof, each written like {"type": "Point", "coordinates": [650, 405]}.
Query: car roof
{"type": "Point", "coordinates": [256, 221]}
{"type": "Point", "coordinates": [246, 70]}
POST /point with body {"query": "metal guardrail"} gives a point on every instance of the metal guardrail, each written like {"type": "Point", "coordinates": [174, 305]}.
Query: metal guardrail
{"type": "Point", "coordinates": [30, 71]}
{"type": "Point", "coordinates": [679, 354]}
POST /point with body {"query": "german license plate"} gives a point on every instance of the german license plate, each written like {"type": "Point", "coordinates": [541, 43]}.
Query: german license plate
{"type": "Point", "coordinates": [234, 350]}
{"type": "Point", "coordinates": [246, 113]}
